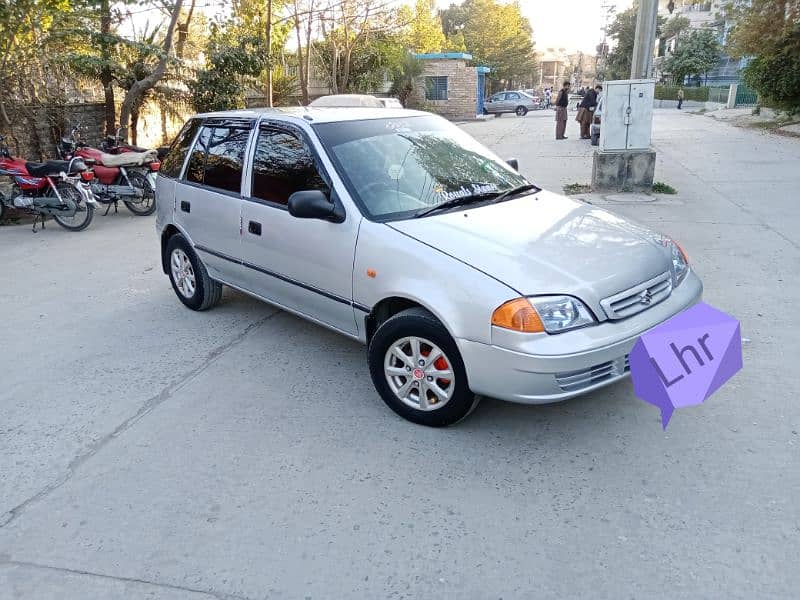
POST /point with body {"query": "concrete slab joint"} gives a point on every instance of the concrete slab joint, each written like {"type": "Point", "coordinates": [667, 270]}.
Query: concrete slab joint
{"type": "Point", "coordinates": [627, 170]}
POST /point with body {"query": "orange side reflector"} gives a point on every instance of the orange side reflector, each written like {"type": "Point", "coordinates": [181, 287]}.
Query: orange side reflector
{"type": "Point", "coordinates": [371, 273]}
{"type": "Point", "coordinates": [518, 315]}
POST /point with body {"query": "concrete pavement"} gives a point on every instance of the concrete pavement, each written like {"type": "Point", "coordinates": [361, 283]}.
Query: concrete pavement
{"type": "Point", "coordinates": [149, 451]}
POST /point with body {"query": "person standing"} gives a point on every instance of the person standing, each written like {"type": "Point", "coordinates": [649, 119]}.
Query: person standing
{"type": "Point", "coordinates": [680, 97]}
{"type": "Point", "coordinates": [562, 102]}
{"type": "Point", "coordinates": [547, 97]}
{"type": "Point", "coordinates": [586, 111]}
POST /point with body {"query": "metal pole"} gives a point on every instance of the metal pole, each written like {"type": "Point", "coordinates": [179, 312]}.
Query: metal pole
{"type": "Point", "coordinates": [645, 40]}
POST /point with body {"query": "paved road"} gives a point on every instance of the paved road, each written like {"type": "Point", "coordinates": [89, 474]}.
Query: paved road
{"type": "Point", "coordinates": [150, 452]}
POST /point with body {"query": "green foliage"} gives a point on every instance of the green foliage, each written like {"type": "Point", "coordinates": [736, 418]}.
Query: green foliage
{"type": "Point", "coordinates": [696, 54]}
{"type": "Point", "coordinates": [231, 63]}
{"type": "Point", "coordinates": [424, 30]}
{"type": "Point", "coordinates": [675, 26]}
{"type": "Point", "coordinates": [670, 92]}
{"type": "Point", "coordinates": [497, 35]}
{"type": "Point", "coordinates": [571, 189]}
{"type": "Point", "coordinates": [623, 30]}
{"type": "Point", "coordinates": [659, 187]}
{"type": "Point", "coordinates": [284, 87]}
{"type": "Point", "coordinates": [404, 80]}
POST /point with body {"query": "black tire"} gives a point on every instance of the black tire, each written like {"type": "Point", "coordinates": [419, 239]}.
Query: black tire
{"type": "Point", "coordinates": [2, 206]}
{"type": "Point", "coordinates": [419, 322]}
{"type": "Point", "coordinates": [84, 210]}
{"type": "Point", "coordinates": [521, 111]}
{"type": "Point", "coordinates": [147, 205]}
{"type": "Point", "coordinates": [498, 115]}
{"type": "Point", "coordinates": [485, 112]}
{"type": "Point", "coordinates": [207, 292]}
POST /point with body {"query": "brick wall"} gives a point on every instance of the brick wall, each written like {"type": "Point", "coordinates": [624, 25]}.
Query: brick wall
{"type": "Point", "coordinates": [462, 88]}
{"type": "Point", "coordinates": [35, 130]}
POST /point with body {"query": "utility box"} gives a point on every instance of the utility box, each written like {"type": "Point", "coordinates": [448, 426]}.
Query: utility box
{"type": "Point", "coordinates": [627, 117]}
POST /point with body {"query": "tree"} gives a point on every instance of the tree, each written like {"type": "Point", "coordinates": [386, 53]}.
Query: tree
{"type": "Point", "coordinates": [675, 27]}
{"type": "Point", "coordinates": [405, 78]}
{"type": "Point", "coordinates": [623, 31]}
{"type": "Point", "coordinates": [696, 54]}
{"type": "Point", "coordinates": [135, 95]}
{"type": "Point", "coordinates": [769, 30]}
{"type": "Point", "coordinates": [497, 35]}
{"type": "Point", "coordinates": [424, 32]}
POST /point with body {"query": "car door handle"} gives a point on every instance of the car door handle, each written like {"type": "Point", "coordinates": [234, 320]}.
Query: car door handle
{"type": "Point", "coordinates": [254, 228]}
{"type": "Point", "coordinates": [185, 206]}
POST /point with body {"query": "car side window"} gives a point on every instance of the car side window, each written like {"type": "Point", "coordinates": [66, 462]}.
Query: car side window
{"type": "Point", "coordinates": [496, 98]}
{"type": "Point", "coordinates": [283, 164]}
{"type": "Point", "coordinates": [217, 159]}
{"type": "Point", "coordinates": [173, 161]}
{"type": "Point", "coordinates": [512, 96]}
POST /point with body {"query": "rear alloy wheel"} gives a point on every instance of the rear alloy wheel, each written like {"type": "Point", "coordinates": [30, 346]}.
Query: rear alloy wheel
{"type": "Point", "coordinates": [417, 369]}
{"type": "Point", "coordinates": [84, 212]}
{"type": "Point", "coordinates": [189, 276]}
{"type": "Point", "coordinates": [146, 205]}
{"type": "Point", "coordinates": [521, 111]}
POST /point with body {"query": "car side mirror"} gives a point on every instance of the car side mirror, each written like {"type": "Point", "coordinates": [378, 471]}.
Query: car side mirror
{"type": "Point", "coordinates": [513, 163]}
{"type": "Point", "coordinates": [314, 204]}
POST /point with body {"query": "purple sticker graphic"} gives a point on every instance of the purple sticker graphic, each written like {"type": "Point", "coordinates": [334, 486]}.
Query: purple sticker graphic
{"type": "Point", "coordinates": [686, 359]}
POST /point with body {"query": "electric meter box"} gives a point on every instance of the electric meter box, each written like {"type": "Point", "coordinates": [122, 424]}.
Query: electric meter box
{"type": "Point", "coordinates": [627, 115]}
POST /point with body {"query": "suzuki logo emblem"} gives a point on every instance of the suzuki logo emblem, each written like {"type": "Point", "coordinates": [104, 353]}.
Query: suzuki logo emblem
{"type": "Point", "coordinates": [645, 297]}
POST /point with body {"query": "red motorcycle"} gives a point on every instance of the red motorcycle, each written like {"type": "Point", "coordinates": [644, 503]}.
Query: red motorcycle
{"type": "Point", "coordinates": [60, 189]}
{"type": "Point", "coordinates": [116, 144]}
{"type": "Point", "coordinates": [127, 176]}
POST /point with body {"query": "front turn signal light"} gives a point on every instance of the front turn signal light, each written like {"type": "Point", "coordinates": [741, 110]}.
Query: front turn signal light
{"type": "Point", "coordinates": [518, 315]}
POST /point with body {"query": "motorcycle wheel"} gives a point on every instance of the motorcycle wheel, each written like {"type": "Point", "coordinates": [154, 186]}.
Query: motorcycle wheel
{"type": "Point", "coordinates": [84, 213]}
{"type": "Point", "coordinates": [147, 204]}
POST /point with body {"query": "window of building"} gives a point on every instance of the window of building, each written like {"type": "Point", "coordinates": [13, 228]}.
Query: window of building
{"type": "Point", "coordinates": [173, 161]}
{"type": "Point", "coordinates": [217, 158]}
{"type": "Point", "coordinates": [282, 165]}
{"type": "Point", "coordinates": [436, 88]}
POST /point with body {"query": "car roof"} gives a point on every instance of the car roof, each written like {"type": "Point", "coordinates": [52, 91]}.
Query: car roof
{"type": "Point", "coordinates": [314, 114]}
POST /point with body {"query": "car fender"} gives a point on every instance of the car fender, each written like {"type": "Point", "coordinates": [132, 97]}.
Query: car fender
{"type": "Point", "coordinates": [391, 264]}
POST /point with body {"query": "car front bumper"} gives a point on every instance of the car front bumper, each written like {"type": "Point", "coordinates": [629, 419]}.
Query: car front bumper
{"type": "Point", "coordinates": [556, 367]}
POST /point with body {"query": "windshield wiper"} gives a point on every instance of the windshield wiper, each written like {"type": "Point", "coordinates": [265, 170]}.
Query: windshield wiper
{"type": "Point", "coordinates": [514, 191]}
{"type": "Point", "coordinates": [453, 202]}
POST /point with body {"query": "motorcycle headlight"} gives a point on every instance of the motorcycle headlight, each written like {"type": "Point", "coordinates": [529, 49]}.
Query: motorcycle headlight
{"type": "Point", "coordinates": [680, 262]}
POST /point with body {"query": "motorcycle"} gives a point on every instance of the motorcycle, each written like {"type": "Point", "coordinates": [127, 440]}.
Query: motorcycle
{"type": "Point", "coordinates": [116, 144]}
{"type": "Point", "coordinates": [127, 176]}
{"type": "Point", "coordinates": [57, 188]}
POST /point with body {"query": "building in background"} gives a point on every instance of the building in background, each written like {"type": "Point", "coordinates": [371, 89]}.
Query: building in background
{"type": "Point", "coordinates": [701, 15]}
{"type": "Point", "coordinates": [554, 68]}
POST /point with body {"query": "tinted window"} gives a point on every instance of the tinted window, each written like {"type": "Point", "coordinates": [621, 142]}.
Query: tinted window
{"type": "Point", "coordinates": [512, 96]}
{"type": "Point", "coordinates": [216, 159]}
{"type": "Point", "coordinates": [225, 157]}
{"type": "Point", "coordinates": [282, 165]}
{"type": "Point", "coordinates": [173, 161]}
{"type": "Point", "coordinates": [197, 160]}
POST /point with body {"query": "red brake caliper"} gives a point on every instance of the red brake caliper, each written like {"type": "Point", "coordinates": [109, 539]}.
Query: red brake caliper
{"type": "Point", "coordinates": [441, 364]}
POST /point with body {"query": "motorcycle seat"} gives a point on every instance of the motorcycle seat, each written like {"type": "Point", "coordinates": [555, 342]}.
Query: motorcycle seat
{"type": "Point", "coordinates": [54, 167]}
{"type": "Point", "coordinates": [128, 159]}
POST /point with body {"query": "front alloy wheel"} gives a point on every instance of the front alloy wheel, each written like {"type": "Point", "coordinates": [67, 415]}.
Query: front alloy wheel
{"type": "Point", "coordinates": [418, 371]}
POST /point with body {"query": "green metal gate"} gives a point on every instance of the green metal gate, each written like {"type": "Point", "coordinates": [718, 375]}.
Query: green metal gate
{"type": "Point", "coordinates": [745, 96]}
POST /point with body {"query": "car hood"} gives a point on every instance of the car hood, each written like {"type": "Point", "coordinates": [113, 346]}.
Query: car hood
{"type": "Point", "coordinates": [544, 243]}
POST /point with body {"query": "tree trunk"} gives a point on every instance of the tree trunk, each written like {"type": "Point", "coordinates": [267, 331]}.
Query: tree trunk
{"type": "Point", "coordinates": [183, 32]}
{"type": "Point", "coordinates": [134, 125]}
{"type": "Point", "coordinates": [308, 51]}
{"type": "Point", "coordinates": [136, 94]}
{"type": "Point", "coordinates": [300, 60]}
{"type": "Point", "coordinates": [106, 76]}
{"type": "Point", "coordinates": [269, 50]}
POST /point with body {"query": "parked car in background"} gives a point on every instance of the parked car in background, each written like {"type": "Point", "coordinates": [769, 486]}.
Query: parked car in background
{"type": "Point", "coordinates": [391, 102]}
{"type": "Point", "coordinates": [348, 101]}
{"type": "Point", "coordinates": [517, 102]}
{"type": "Point", "coordinates": [399, 230]}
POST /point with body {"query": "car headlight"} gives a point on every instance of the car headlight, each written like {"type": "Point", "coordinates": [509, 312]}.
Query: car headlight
{"type": "Point", "coordinates": [680, 262]}
{"type": "Point", "coordinates": [537, 314]}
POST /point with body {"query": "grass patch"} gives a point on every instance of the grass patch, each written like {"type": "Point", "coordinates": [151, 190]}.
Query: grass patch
{"type": "Point", "coordinates": [659, 187]}
{"type": "Point", "coordinates": [577, 188]}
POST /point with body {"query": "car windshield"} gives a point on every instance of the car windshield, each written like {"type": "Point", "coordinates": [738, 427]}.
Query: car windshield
{"type": "Point", "coordinates": [396, 167]}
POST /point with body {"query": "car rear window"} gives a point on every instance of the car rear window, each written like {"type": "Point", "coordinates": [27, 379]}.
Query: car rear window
{"type": "Point", "coordinates": [173, 161]}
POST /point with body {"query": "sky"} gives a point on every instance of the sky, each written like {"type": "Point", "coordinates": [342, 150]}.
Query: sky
{"type": "Point", "coordinates": [570, 24]}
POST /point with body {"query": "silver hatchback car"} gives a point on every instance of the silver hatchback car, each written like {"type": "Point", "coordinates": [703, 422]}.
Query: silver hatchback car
{"type": "Point", "coordinates": [396, 228]}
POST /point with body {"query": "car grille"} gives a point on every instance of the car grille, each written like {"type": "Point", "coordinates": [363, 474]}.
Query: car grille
{"type": "Point", "coordinates": [573, 381]}
{"type": "Point", "coordinates": [638, 298]}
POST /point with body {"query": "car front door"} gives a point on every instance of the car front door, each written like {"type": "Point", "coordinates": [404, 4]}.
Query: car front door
{"type": "Point", "coordinates": [304, 265]}
{"type": "Point", "coordinates": [494, 104]}
{"type": "Point", "coordinates": [513, 100]}
{"type": "Point", "coordinates": [208, 200]}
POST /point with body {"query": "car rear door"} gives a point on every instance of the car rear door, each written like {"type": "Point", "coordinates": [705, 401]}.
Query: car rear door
{"type": "Point", "coordinates": [513, 100]}
{"type": "Point", "coordinates": [208, 202]}
{"type": "Point", "coordinates": [305, 265]}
